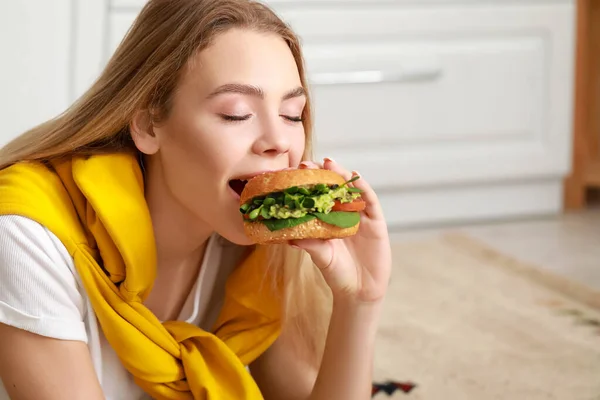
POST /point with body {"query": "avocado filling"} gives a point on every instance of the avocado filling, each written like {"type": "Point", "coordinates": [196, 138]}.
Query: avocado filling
{"type": "Point", "coordinates": [298, 201]}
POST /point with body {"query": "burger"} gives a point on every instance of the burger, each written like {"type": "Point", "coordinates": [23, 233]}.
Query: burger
{"type": "Point", "coordinates": [300, 204]}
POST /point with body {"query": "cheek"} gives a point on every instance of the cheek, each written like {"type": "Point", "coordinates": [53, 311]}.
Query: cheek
{"type": "Point", "coordinates": [196, 144]}
{"type": "Point", "coordinates": [297, 148]}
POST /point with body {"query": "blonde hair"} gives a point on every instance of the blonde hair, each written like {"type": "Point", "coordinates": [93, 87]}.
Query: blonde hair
{"type": "Point", "coordinates": [142, 74]}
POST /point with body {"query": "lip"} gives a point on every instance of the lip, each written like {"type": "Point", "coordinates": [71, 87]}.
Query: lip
{"type": "Point", "coordinates": [233, 193]}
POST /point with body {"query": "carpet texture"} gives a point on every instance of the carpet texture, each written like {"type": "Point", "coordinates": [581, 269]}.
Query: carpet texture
{"type": "Point", "coordinates": [462, 321]}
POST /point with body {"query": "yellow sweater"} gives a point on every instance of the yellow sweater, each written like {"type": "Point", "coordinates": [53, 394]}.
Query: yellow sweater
{"type": "Point", "coordinates": [96, 207]}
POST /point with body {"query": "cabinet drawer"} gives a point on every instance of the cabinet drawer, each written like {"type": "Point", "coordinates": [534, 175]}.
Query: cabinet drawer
{"type": "Point", "coordinates": [401, 91]}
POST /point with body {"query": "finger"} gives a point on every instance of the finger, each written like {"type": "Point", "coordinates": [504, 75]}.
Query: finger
{"type": "Point", "coordinates": [373, 209]}
{"type": "Point", "coordinates": [309, 165]}
{"type": "Point", "coordinates": [320, 251]}
{"type": "Point", "coordinates": [331, 165]}
{"type": "Point", "coordinates": [327, 255]}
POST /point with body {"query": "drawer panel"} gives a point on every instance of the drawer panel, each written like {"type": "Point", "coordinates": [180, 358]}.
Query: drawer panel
{"type": "Point", "coordinates": [405, 91]}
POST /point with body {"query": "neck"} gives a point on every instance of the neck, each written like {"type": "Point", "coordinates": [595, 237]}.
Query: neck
{"type": "Point", "coordinates": [180, 244]}
{"type": "Point", "coordinates": [180, 236]}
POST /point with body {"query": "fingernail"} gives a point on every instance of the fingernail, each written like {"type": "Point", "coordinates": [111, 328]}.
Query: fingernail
{"type": "Point", "coordinates": [328, 159]}
{"type": "Point", "coordinates": [355, 173]}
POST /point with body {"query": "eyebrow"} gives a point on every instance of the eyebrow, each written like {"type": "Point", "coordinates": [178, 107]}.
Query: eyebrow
{"type": "Point", "coordinates": [255, 91]}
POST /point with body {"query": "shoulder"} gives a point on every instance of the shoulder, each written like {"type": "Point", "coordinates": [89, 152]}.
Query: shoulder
{"type": "Point", "coordinates": [38, 191]}
{"type": "Point", "coordinates": [39, 287]}
{"type": "Point", "coordinates": [29, 177]}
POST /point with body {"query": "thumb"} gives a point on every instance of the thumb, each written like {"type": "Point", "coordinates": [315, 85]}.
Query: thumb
{"type": "Point", "coordinates": [320, 251]}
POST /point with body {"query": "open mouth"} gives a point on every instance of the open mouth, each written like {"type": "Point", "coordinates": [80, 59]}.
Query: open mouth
{"type": "Point", "coordinates": [238, 185]}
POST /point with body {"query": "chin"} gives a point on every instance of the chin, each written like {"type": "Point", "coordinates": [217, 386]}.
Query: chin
{"type": "Point", "coordinates": [240, 240]}
{"type": "Point", "coordinates": [236, 235]}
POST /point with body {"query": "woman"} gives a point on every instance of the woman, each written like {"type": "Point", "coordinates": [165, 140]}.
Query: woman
{"type": "Point", "coordinates": [124, 269]}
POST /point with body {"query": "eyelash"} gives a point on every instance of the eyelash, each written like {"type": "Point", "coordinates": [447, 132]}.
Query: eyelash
{"type": "Point", "coordinates": [240, 118]}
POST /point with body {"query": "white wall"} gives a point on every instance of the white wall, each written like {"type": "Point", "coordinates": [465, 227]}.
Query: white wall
{"type": "Point", "coordinates": [35, 37]}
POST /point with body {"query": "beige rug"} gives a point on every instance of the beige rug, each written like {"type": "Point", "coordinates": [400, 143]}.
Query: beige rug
{"type": "Point", "coordinates": [465, 322]}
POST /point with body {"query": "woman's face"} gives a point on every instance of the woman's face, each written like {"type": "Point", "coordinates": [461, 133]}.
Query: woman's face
{"type": "Point", "coordinates": [236, 113]}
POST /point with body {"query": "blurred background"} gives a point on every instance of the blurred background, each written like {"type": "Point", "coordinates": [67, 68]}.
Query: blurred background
{"type": "Point", "coordinates": [476, 121]}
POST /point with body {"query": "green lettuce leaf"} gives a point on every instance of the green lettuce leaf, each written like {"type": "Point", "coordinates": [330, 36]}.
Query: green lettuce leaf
{"type": "Point", "coordinates": [341, 219]}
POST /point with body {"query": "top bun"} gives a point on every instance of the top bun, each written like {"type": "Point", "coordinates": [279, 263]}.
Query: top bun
{"type": "Point", "coordinates": [278, 181]}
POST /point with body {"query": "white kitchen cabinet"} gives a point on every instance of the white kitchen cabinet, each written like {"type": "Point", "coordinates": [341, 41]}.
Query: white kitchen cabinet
{"type": "Point", "coordinates": [454, 110]}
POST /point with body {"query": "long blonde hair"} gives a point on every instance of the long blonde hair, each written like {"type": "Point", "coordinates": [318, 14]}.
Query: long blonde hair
{"type": "Point", "coordinates": [142, 74]}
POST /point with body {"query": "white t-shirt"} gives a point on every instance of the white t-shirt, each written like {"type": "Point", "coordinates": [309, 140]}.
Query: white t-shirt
{"type": "Point", "coordinates": [41, 292]}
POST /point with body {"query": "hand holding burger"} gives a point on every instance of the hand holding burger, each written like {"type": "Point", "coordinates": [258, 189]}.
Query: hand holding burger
{"type": "Point", "coordinates": [333, 215]}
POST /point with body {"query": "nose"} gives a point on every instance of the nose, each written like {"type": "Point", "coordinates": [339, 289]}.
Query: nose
{"type": "Point", "coordinates": [272, 141]}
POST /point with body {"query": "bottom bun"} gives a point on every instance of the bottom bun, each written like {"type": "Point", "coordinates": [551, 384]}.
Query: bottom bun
{"type": "Point", "coordinates": [313, 229]}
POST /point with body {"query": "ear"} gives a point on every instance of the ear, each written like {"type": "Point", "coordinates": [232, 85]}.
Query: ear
{"type": "Point", "coordinates": [142, 133]}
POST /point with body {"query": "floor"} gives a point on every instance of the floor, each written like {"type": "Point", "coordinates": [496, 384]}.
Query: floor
{"type": "Point", "coordinates": [567, 244]}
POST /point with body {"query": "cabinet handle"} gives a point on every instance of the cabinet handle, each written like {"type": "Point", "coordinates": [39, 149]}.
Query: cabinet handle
{"type": "Point", "coordinates": [361, 77]}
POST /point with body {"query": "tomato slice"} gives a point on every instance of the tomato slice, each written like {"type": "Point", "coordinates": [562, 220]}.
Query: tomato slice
{"type": "Point", "coordinates": [356, 205]}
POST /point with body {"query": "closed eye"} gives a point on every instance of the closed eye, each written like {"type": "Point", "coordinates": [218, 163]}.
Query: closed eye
{"type": "Point", "coordinates": [237, 118]}
{"type": "Point", "coordinates": [291, 118]}
{"type": "Point", "coordinates": [228, 117]}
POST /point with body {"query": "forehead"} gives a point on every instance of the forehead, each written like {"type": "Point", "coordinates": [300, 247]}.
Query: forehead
{"type": "Point", "coordinates": [246, 57]}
